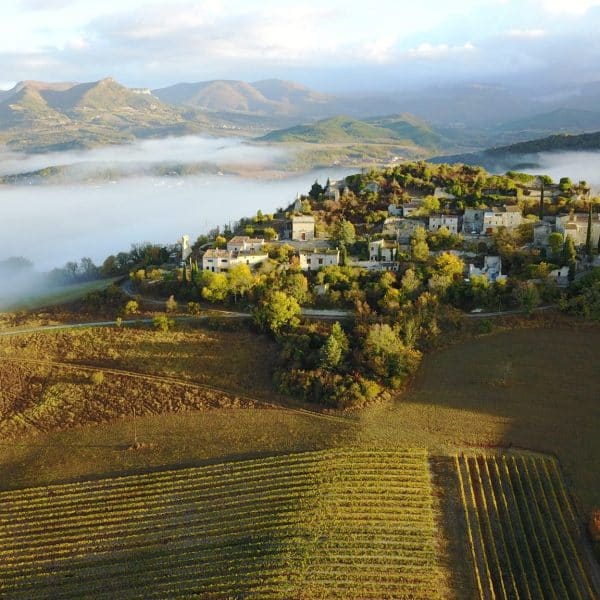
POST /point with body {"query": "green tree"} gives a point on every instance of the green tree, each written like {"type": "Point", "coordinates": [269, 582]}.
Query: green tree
{"type": "Point", "coordinates": [277, 312]}
{"type": "Point", "coordinates": [527, 296]}
{"type": "Point", "coordinates": [556, 241]}
{"type": "Point", "coordinates": [163, 323]}
{"type": "Point", "coordinates": [419, 250]}
{"type": "Point", "coordinates": [131, 308]}
{"type": "Point", "coordinates": [240, 280]}
{"type": "Point", "coordinates": [316, 190]}
{"type": "Point", "coordinates": [344, 233]}
{"type": "Point", "coordinates": [269, 233]}
{"type": "Point", "coordinates": [588, 239]}
{"type": "Point", "coordinates": [214, 286]}
{"type": "Point", "coordinates": [410, 282]}
{"type": "Point", "coordinates": [569, 254]}
{"type": "Point", "coordinates": [334, 351]}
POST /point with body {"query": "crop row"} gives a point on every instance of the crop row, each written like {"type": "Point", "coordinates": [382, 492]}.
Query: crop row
{"type": "Point", "coordinates": [346, 524]}
{"type": "Point", "coordinates": [522, 535]}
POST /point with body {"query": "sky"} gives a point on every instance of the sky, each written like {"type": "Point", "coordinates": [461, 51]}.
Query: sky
{"type": "Point", "coordinates": [334, 45]}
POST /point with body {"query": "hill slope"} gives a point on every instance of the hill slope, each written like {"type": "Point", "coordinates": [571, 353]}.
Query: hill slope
{"type": "Point", "coordinates": [404, 128]}
{"type": "Point", "coordinates": [268, 97]}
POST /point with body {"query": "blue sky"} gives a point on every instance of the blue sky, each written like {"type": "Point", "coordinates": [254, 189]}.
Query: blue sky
{"type": "Point", "coordinates": [331, 44]}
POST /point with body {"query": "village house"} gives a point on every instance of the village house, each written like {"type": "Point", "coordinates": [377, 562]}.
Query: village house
{"type": "Point", "coordinates": [491, 270]}
{"type": "Point", "coordinates": [220, 261]}
{"type": "Point", "coordinates": [383, 250]}
{"type": "Point", "coordinates": [401, 229]}
{"type": "Point", "coordinates": [412, 207]}
{"type": "Point", "coordinates": [451, 222]}
{"type": "Point", "coordinates": [508, 216]}
{"type": "Point", "coordinates": [301, 228]}
{"type": "Point", "coordinates": [243, 243]}
{"type": "Point", "coordinates": [576, 225]}
{"type": "Point", "coordinates": [473, 220]}
{"type": "Point", "coordinates": [395, 210]}
{"type": "Point", "coordinates": [541, 233]}
{"type": "Point", "coordinates": [315, 259]}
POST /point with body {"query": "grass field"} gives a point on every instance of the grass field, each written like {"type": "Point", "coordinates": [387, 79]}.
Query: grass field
{"type": "Point", "coordinates": [524, 537]}
{"type": "Point", "coordinates": [333, 524]}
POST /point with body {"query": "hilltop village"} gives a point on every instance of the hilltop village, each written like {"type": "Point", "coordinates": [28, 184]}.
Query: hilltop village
{"type": "Point", "coordinates": [404, 251]}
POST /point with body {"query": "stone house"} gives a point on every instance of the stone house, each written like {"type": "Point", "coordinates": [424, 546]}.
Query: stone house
{"type": "Point", "coordinates": [576, 226]}
{"type": "Point", "coordinates": [302, 228]}
{"type": "Point", "coordinates": [220, 261]}
{"type": "Point", "coordinates": [317, 258]}
{"type": "Point", "coordinates": [382, 250]}
{"type": "Point", "coordinates": [508, 216]}
{"type": "Point", "coordinates": [492, 269]}
{"type": "Point", "coordinates": [243, 243]}
{"type": "Point", "coordinates": [473, 220]}
{"type": "Point", "coordinates": [451, 222]}
{"type": "Point", "coordinates": [400, 228]}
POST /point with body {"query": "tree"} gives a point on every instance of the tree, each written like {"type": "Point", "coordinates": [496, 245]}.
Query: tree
{"type": "Point", "coordinates": [430, 204]}
{"type": "Point", "coordinates": [588, 238]}
{"type": "Point", "coordinates": [240, 280]}
{"type": "Point", "coordinates": [419, 250]}
{"type": "Point", "coordinates": [214, 286]}
{"type": "Point", "coordinates": [527, 296]}
{"type": "Point", "coordinates": [448, 265]}
{"type": "Point", "coordinates": [277, 312]}
{"type": "Point", "coordinates": [410, 282]}
{"type": "Point", "coordinates": [344, 233]}
{"type": "Point", "coordinates": [316, 190]}
{"type": "Point", "coordinates": [269, 233]}
{"type": "Point", "coordinates": [556, 241]}
{"type": "Point", "coordinates": [131, 308]}
{"type": "Point", "coordinates": [335, 348]}
{"type": "Point", "coordinates": [569, 256]}
{"type": "Point", "coordinates": [163, 323]}
{"type": "Point", "coordinates": [220, 242]}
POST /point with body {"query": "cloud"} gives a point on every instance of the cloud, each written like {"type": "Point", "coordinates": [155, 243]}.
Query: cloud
{"type": "Point", "coordinates": [572, 7]}
{"type": "Point", "coordinates": [526, 33]}
{"type": "Point", "coordinates": [427, 50]}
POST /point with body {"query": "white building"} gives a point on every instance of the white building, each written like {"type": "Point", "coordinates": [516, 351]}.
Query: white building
{"type": "Point", "coordinates": [219, 261]}
{"type": "Point", "coordinates": [243, 243]}
{"type": "Point", "coordinates": [576, 225]}
{"type": "Point", "coordinates": [492, 269]}
{"type": "Point", "coordinates": [313, 260]}
{"type": "Point", "coordinates": [508, 216]}
{"type": "Point", "coordinates": [302, 228]}
{"type": "Point", "coordinates": [382, 250]}
{"type": "Point", "coordinates": [451, 222]}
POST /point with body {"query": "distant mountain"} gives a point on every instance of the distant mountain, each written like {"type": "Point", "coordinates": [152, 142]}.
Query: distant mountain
{"type": "Point", "coordinates": [38, 116]}
{"type": "Point", "coordinates": [507, 157]}
{"type": "Point", "coordinates": [398, 129]}
{"type": "Point", "coordinates": [269, 97]}
{"type": "Point", "coordinates": [567, 120]}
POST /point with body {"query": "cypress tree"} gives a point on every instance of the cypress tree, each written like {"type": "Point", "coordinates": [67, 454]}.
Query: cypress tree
{"type": "Point", "coordinates": [588, 239]}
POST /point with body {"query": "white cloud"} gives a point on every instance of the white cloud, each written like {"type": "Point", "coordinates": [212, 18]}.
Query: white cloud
{"type": "Point", "coordinates": [427, 50]}
{"type": "Point", "coordinates": [526, 33]}
{"type": "Point", "coordinates": [573, 7]}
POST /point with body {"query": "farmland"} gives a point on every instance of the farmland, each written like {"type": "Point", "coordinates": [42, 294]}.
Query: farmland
{"type": "Point", "coordinates": [339, 524]}
{"type": "Point", "coordinates": [524, 538]}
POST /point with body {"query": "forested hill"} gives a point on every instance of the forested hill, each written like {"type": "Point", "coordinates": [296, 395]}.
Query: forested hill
{"type": "Point", "coordinates": [553, 143]}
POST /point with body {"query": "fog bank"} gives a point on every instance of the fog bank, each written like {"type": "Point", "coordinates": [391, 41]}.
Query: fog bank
{"type": "Point", "coordinates": [51, 225]}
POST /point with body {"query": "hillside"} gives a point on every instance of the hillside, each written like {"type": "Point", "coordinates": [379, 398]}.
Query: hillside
{"type": "Point", "coordinates": [504, 157]}
{"type": "Point", "coordinates": [405, 129]}
{"type": "Point", "coordinates": [268, 97]}
{"type": "Point", "coordinates": [35, 116]}
{"type": "Point", "coordinates": [567, 120]}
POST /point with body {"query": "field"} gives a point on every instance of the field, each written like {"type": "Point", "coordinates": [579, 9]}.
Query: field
{"type": "Point", "coordinates": [50, 381]}
{"type": "Point", "coordinates": [524, 537]}
{"type": "Point", "coordinates": [332, 524]}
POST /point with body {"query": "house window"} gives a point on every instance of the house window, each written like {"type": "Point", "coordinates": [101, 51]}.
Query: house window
{"type": "Point", "coordinates": [320, 261]}
{"type": "Point", "coordinates": [308, 261]}
{"type": "Point", "coordinates": [303, 236]}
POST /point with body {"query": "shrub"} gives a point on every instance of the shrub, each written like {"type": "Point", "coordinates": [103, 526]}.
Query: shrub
{"type": "Point", "coordinates": [131, 308]}
{"type": "Point", "coordinates": [163, 323]}
{"type": "Point", "coordinates": [194, 308]}
{"type": "Point", "coordinates": [171, 304]}
{"type": "Point", "coordinates": [97, 378]}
